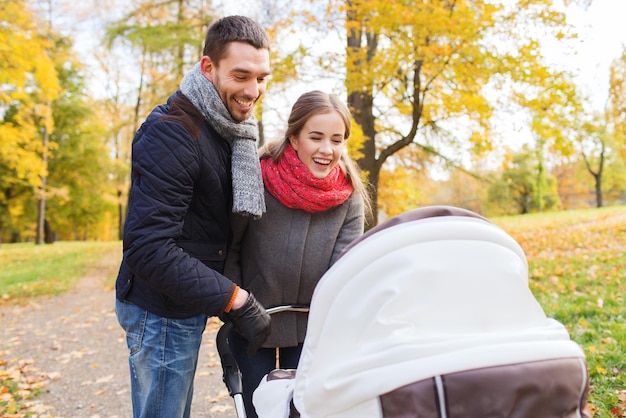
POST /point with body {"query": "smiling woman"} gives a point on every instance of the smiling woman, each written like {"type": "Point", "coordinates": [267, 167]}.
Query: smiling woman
{"type": "Point", "coordinates": [315, 208]}
{"type": "Point", "coordinates": [320, 143]}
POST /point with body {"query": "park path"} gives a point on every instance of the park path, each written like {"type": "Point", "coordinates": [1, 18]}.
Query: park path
{"type": "Point", "coordinates": [75, 345]}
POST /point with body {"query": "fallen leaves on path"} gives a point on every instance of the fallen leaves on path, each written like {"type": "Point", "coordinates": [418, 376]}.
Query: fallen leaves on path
{"type": "Point", "coordinates": [20, 381]}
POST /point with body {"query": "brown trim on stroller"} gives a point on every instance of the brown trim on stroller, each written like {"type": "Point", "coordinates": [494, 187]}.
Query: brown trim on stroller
{"type": "Point", "coordinates": [547, 389]}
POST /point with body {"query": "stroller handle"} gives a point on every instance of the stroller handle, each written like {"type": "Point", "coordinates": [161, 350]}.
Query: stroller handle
{"type": "Point", "coordinates": [287, 308]}
{"type": "Point", "coordinates": [231, 374]}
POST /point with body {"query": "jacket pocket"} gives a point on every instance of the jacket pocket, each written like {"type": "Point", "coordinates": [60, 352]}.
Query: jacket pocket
{"type": "Point", "coordinates": [124, 282]}
{"type": "Point", "coordinates": [212, 254]}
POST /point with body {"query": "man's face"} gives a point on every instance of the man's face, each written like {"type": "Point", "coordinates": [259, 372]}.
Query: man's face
{"type": "Point", "coordinates": [240, 78]}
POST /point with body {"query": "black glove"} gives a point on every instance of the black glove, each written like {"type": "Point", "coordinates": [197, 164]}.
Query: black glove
{"type": "Point", "coordinates": [251, 321]}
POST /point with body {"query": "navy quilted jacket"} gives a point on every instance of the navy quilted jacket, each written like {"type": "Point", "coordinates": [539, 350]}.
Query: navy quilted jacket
{"type": "Point", "coordinates": [177, 229]}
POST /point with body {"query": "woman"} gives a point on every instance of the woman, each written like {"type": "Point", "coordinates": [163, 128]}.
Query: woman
{"type": "Point", "coordinates": [316, 206]}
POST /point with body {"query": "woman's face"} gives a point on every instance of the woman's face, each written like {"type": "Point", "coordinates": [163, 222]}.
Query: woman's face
{"type": "Point", "coordinates": [320, 143]}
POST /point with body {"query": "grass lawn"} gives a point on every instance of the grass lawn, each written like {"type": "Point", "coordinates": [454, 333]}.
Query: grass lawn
{"type": "Point", "coordinates": [577, 265]}
{"type": "Point", "coordinates": [30, 270]}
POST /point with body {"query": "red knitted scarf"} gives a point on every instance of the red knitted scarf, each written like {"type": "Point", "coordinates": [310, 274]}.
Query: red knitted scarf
{"type": "Point", "coordinates": [291, 182]}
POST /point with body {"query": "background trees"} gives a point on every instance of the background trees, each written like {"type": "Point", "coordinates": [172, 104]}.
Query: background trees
{"type": "Point", "coordinates": [54, 166]}
{"type": "Point", "coordinates": [433, 74]}
{"type": "Point", "coordinates": [28, 85]}
{"type": "Point", "coordinates": [454, 102]}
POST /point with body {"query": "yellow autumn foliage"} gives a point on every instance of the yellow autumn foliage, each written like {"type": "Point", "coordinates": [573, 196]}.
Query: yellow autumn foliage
{"type": "Point", "coordinates": [29, 83]}
{"type": "Point", "coordinates": [414, 70]}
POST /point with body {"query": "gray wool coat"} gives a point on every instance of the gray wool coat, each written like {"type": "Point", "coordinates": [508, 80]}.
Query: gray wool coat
{"type": "Point", "coordinates": [281, 256]}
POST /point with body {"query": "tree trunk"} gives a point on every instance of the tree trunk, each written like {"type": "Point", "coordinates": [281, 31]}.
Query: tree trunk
{"type": "Point", "coordinates": [361, 103]}
{"type": "Point", "coordinates": [597, 175]}
{"type": "Point", "coordinates": [49, 235]}
{"type": "Point", "coordinates": [598, 183]}
{"type": "Point", "coordinates": [41, 203]}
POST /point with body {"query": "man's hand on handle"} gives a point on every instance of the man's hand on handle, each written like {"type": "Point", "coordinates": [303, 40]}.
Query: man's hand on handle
{"type": "Point", "coordinates": [250, 320]}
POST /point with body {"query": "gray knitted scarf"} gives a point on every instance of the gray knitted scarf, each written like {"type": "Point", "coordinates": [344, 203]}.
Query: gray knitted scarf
{"type": "Point", "coordinates": [248, 197]}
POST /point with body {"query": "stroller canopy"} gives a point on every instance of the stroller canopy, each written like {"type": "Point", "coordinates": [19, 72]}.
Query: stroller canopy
{"type": "Point", "coordinates": [431, 292]}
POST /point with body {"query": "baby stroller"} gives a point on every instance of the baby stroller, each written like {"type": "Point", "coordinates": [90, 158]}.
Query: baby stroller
{"type": "Point", "coordinates": [429, 314]}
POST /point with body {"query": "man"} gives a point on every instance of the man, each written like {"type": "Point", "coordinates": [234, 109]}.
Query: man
{"type": "Point", "coordinates": [194, 161]}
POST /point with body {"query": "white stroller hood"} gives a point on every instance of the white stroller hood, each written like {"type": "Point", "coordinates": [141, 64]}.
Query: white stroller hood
{"type": "Point", "coordinates": [416, 298]}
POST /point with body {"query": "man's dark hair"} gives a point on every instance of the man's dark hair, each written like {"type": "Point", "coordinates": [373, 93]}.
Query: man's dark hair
{"type": "Point", "coordinates": [233, 29]}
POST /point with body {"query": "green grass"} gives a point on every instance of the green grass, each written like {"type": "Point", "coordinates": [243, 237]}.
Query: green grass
{"type": "Point", "coordinates": [577, 270]}
{"type": "Point", "coordinates": [30, 270]}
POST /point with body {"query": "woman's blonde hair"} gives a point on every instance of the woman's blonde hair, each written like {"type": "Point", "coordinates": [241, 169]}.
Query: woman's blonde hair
{"type": "Point", "coordinates": [315, 103]}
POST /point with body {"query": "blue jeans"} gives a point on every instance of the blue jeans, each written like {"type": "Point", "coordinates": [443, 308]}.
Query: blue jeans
{"type": "Point", "coordinates": [163, 358]}
{"type": "Point", "coordinates": [261, 363]}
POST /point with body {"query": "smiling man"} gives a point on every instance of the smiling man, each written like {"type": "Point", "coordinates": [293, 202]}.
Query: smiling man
{"type": "Point", "coordinates": [194, 161]}
{"type": "Point", "coordinates": [239, 77]}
